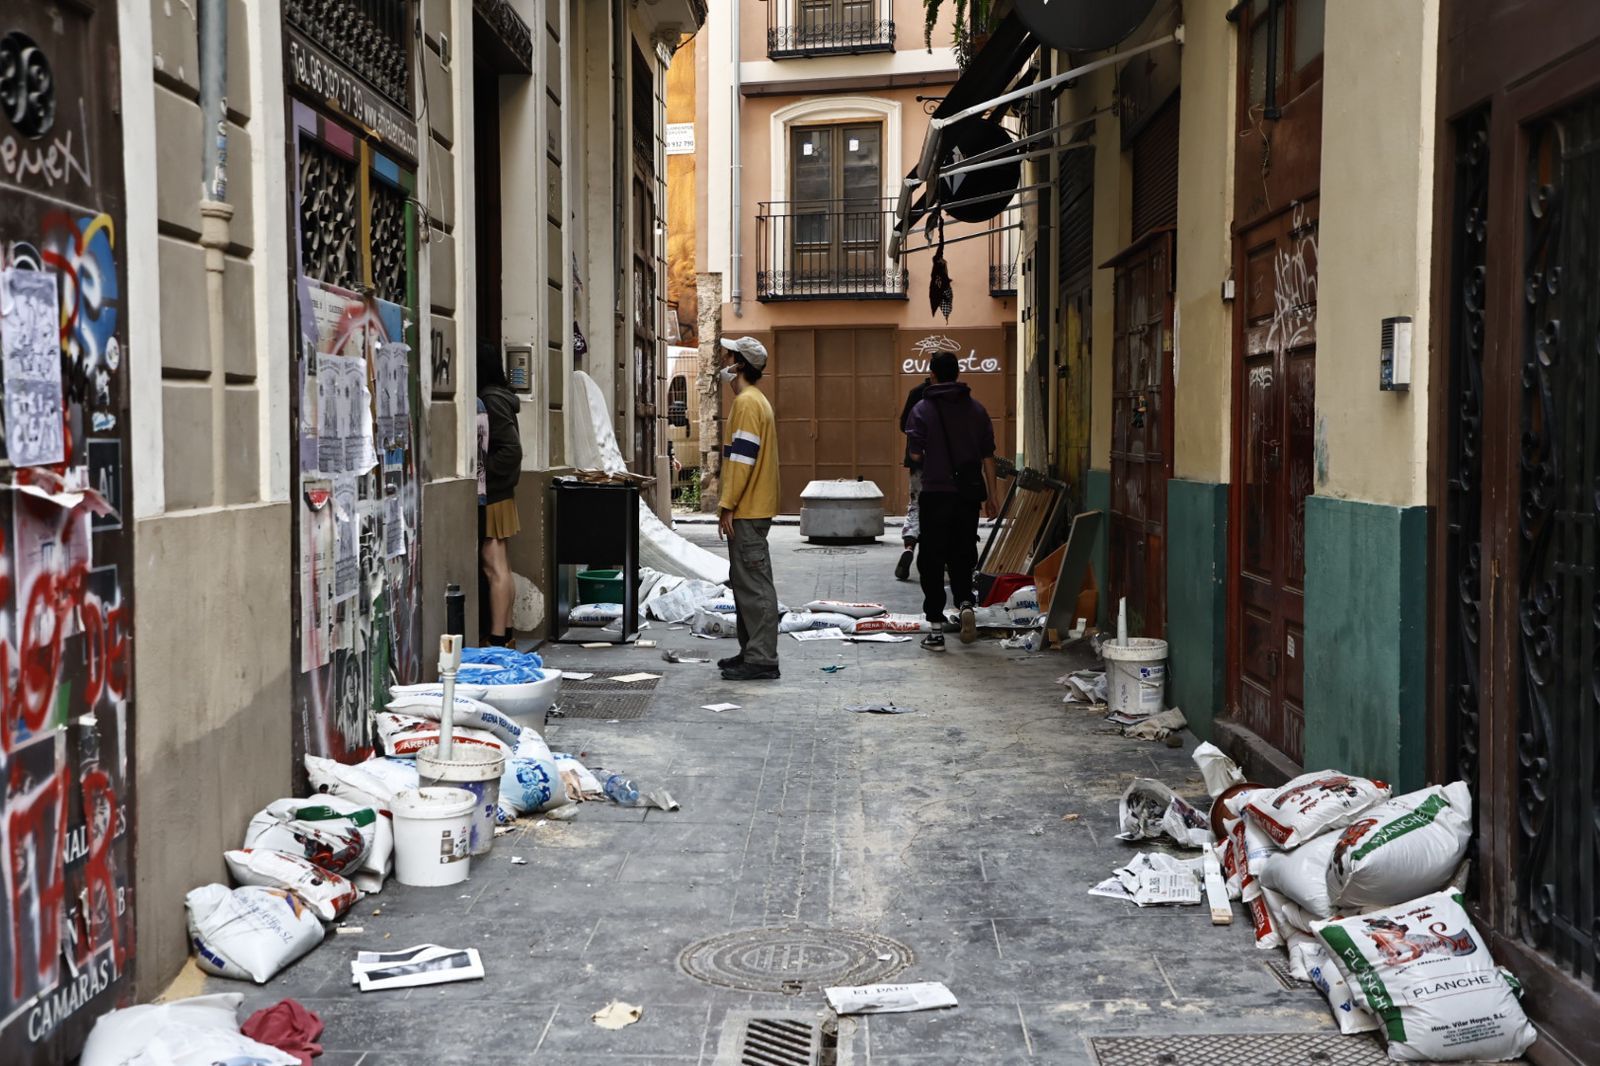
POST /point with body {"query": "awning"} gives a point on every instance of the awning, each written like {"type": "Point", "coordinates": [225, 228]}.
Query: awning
{"type": "Point", "coordinates": [986, 87]}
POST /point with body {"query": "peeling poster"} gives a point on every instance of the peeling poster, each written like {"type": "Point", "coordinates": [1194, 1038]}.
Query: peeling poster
{"type": "Point", "coordinates": [30, 349]}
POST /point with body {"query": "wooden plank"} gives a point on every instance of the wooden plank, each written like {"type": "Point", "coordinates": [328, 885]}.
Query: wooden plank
{"type": "Point", "coordinates": [1216, 890]}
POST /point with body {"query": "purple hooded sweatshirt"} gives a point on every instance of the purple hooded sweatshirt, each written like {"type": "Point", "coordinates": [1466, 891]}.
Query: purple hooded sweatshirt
{"type": "Point", "coordinates": [947, 410]}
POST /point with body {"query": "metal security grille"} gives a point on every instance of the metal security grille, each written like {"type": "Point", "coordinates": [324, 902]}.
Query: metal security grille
{"type": "Point", "coordinates": [1256, 1049]}
{"type": "Point", "coordinates": [1558, 750]}
{"type": "Point", "coordinates": [329, 216]}
{"type": "Point", "coordinates": [389, 243]}
{"type": "Point", "coordinates": [767, 1038]}
{"type": "Point", "coordinates": [588, 699]}
{"type": "Point", "coordinates": [1155, 172]}
{"type": "Point", "coordinates": [369, 36]}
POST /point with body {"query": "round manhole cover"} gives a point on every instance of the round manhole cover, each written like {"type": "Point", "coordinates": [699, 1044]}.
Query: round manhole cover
{"type": "Point", "coordinates": [831, 551]}
{"type": "Point", "coordinates": [794, 960]}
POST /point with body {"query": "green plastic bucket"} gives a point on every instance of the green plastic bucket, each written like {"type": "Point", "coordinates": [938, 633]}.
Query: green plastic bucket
{"type": "Point", "coordinates": [600, 586]}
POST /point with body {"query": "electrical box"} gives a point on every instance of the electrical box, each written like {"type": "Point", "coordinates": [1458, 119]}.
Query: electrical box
{"type": "Point", "coordinates": [1394, 355]}
{"type": "Point", "coordinates": [519, 368]}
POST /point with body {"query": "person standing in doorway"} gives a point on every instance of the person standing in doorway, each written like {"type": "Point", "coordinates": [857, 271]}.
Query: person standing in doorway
{"type": "Point", "coordinates": [499, 467]}
{"type": "Point", "coordinates": [749, 501]}
{"type": "Point", "coordinates": [911, 530]}
{"type": "Point", "coordinates": [950, 435]}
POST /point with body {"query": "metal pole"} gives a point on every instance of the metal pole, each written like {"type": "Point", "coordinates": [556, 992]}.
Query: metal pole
{"type": "Point", "coordinates": [213, 19]}
{"type": "Point", "coordinates": [216, 215]}
{"type": "Point", "coordinates": [735, 168]}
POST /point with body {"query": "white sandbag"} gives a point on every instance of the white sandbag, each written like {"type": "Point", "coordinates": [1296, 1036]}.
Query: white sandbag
{"type": "Point", "coordinates": [434, 688]}
{"type": "Point", "coordinates": [595, 614]}
{"type": "Point", "coordinates": [354, 783]}
{"type": "Point", "coordinates": [405, 735]}
{"type": "Point", "coordinates": [594, 447]}
{"type": "Point", "coordinates": [714, 623]}
{"type": "Point", "coordinates": [1426, 973]}
{"type": "Point", "coordinates": [198, 1031]}
{"type": "Point", "coordinates": [1319, 969]}
{"type": "Point", "coordinates": [1266, 916]}
{"type": "Point", "coordinates": [1302, 874]}
{"type": "Point", "coordinates": [469, 712]}
{"type": "Point", "coordinates": [891, 623]}
{"type": "Point", "coordinates": [1312, 804]}
{"type": "Point", "coordinates": [1404, 848]}
{"type": "Point", "coordinates": [528, 785]}
{"type": "Point", "coordinates": [1150, 810]}
{"type": "Point", "coordinates": [331, 833]}
{"type": "Point", "coordinates": [527, 606]}
{"type": "Point", "coordinates": [1219, 772]}
{"type": "Point", "coordinates": [1023, 606]}
{"type": "Point", "coordinates": [249, 933]}
{"type": "Point", "coordinates": [329, 895]}
{"type": "Point", "coordinates": [807, 621]}
{"type": "Point", "coordinates": [854, 610]}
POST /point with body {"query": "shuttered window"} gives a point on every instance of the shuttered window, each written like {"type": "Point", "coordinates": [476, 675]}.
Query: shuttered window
{"type": "Point", "coordinates": [1155, 172]}
{"type": "Point", "coordinates": [1076, 197]}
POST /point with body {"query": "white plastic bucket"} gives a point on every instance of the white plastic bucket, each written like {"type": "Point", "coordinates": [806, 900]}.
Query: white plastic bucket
{"type": "Point", "coordinates": [432, 831]}
{"type": "Point", "coordinates": [1136, 675]}
{"type": "Point", "coordinates": [475, 769]}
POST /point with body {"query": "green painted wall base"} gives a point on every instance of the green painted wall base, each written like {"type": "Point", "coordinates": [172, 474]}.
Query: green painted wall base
{"type": "Point", "coordinates": [1097, 497]}
{"type": "Point", "coordinates": [1366, 639]}
{"type": "Point", "coordinates": [1197, 562]}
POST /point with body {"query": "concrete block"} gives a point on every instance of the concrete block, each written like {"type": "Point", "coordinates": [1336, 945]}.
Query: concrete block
{"type": "Point", "coordinates": [178, 162]}
{"type": "Point", "coordinates": [239, 58]}
{"type": "Point", "coordinates": [175, 37]}
{"type": "Point", "coordinates": [243, 404]}
{"type": "Point", "coordinates": [442, 449]}
{"type": "Point", "coordinates": [441, 96]}
{"type": "Point", "coordinates": [436, 18]}
{"type": "Point", "coordinates": [442, 184]}
{"type": "Point", "coordinates": [186, 440]}
{"type": "Point", "coordinates": [185, 334]}
{"type": "Point", "coordinates": [241, 189]}
{"type": "Point", "coordinates": [449, 553]}
{"type": "Point", "coordinates": [443, 369]}
{"type": "Point", "coordinates": [239, 302]}
{"type": "Point", "coordinates": [441, 252]}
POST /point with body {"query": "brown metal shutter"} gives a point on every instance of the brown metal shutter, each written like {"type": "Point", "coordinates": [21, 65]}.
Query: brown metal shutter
{"type": "Point", "coordinates": [1155, 172]}
{"type": "Point", "coordinates": [1076, 197]}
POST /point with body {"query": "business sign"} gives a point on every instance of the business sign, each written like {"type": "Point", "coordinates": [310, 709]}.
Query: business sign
{"type": "Point", "coordinates": [1082, 25]}
{"type": "Point", "coordinates": [316, 74]}
{"type": "Point", "coordinates": [977, 351]}
{"type": "Point", "coordinates": [680, 138]}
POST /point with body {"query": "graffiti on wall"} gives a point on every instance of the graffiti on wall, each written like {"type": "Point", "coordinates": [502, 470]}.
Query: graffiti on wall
{"type": "Point", "coordinates": [66, 621]}
{"type": "Point", "coordinates": [359, 444]}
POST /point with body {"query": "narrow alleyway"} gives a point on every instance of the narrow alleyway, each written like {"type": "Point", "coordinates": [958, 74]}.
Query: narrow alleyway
{"type": "Point", "coordinates": [942, 831]}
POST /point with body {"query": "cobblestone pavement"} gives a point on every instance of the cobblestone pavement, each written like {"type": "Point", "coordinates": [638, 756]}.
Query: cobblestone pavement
{"type": "Point", "coordinates": [942, 831]}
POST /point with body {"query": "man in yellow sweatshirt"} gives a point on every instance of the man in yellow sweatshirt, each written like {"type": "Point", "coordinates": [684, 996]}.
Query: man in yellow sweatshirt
{"type": "Point", "coordinates": [749, 500]}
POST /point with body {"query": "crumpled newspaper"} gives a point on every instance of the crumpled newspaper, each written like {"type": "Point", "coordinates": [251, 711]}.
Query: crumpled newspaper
{"type": "Point", "coordinates": [1157, 726]}
{"type": "Point", "coordinates": [1150, 810]}
{"type": "Point", "coordinates": [1153, 879]}
{"type": "Point", "coordinates": [1084, 686]}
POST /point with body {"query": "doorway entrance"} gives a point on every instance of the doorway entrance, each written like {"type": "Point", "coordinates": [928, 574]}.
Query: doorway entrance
{"type": "Point", "coordinates": [1516, 693]}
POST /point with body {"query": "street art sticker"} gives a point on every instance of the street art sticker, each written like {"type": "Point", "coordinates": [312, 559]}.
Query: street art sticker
{"type": "Point", "coordinates": [927, 347]}
{"type": "Point", "coordinates": [30, 348]}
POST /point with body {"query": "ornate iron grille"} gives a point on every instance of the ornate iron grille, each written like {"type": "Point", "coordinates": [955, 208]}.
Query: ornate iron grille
{"type": "Point", "coordinates": [799, 28]}
{"type": "Point", "coordinates": [826, 250]}
{"type": "Point", "coordinates": [390, 276]}
{"type": "Point", "coordinates": [1558, 728]}
{"type": "Point", "coordinates": [329, 216]}
{"type": "Point", "coordinates": [1464, 490]}
{"type": "Point", "coordinates": [368, 36]}
{"type": "Point", "coordinates": [1003, 255]}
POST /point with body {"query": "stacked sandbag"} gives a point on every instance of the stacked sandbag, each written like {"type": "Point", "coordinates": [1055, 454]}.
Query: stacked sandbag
{"type": "Point", "coordinates": [531, 781]}
{"type": "Point", "coordinates": [249, 933]}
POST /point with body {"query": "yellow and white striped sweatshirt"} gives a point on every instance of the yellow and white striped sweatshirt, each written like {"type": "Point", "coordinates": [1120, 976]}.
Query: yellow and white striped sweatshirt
{"type": "Point", "coordinates": [750, 458]}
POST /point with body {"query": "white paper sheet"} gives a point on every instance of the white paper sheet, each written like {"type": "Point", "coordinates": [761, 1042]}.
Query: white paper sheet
{"type": "Point", "coordinates": [889, 999]}
{"type": "Point", "coordinates": [30, 352]}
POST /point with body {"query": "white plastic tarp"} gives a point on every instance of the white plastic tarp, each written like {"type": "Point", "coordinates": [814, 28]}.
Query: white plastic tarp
{"type": "Point", "coordinates": [594, 447]}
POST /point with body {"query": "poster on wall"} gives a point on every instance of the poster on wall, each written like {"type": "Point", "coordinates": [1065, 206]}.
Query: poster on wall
{"type": "Point", "coordinates": [316, 574]}
{"type": "Point", "coordinates": [346, 538]}
{"type": "Point", "coordinates": [392, 374]}
{"type": "Point", "coordinates": [30, 353]}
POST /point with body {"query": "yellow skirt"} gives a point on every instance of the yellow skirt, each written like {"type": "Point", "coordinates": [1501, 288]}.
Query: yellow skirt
{"type": "Point", "coordinates": [500, 520]}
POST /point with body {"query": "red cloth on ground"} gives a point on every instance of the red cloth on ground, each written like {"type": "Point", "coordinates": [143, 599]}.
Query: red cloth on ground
{"type": "Point", "coordinates": [288, 1026]}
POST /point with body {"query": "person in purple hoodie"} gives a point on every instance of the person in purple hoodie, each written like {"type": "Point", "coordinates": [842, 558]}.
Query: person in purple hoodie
{"type": "Point", "coordinates": [952, 439]}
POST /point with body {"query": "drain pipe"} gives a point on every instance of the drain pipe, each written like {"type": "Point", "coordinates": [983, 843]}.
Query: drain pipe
{"type": "Point", "coordinates": [216, 214]}
{"type": "Point", "coordinates": [735, 167]}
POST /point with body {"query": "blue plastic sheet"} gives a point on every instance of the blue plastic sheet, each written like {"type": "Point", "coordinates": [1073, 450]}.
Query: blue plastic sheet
{"type": "Point", "coordinates": [499, 666]}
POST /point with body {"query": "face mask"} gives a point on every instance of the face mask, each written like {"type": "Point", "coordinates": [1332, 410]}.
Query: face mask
{"type": "Point", "coordinates": [727, 374]}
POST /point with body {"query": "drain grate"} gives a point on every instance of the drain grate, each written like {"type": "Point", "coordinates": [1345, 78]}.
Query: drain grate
{"type": "Point", "coordinates": [1280, 969]}
{"type": "Point", "coordinates": [585, 699]}
{"type": "Point", "coordinates": [832, 551]}
{"type": "Point", "coordinates": [1256, 1049]}
{"type": "Point", "coordinates": [764, 1038]}
{"type": "Point", "coordinates": [794, 960]}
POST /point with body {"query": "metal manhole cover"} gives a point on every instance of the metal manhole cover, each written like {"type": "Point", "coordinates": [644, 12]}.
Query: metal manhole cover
{"type": "Point", "coordinates": [1253, 1049]}
{"type": "Point", "coordinates": [583, 699]}
{"type": "Point", "coordinates": [794, 960]}
{"type": "Point", "coordinates": [831, 551]}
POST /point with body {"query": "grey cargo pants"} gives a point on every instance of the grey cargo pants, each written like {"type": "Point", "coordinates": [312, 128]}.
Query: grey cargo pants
{"type": "Point", "coordinates": [755, 598]}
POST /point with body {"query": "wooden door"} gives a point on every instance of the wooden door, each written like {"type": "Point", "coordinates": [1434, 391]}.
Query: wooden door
{"type": "Point", "coordinates": [1277, 268]}
{"type": "Point", "coordinates": [1516, 695]}
{"type": "Point", "coordinates": [1141, 432]}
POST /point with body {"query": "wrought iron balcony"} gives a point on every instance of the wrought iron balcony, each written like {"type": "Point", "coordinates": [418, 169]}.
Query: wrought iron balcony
{"type": "Point", "coordinates": [799, 28]}
{"type": "Point", "coordinates": [826, 250]}
{"type": "Point", "coordinates": [1003, 247]}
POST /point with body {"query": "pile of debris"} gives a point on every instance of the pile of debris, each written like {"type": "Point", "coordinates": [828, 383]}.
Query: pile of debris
{"type": "Point", "coordinates": [1361, 888]}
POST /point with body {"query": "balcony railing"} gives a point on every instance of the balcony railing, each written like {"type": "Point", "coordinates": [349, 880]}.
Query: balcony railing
{"type": "Point", "coordinates": [826, 250]}
{"type": "Point", "coordinates": [1003, 247]}
{"type": "Point", "coordinates": [797, 28]}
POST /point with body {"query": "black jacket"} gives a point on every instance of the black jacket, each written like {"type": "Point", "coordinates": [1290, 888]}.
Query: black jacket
{"type": "Point", "coordinates": [502, 464]}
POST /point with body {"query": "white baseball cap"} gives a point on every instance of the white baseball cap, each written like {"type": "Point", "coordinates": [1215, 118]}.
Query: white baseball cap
{"type": "Point", "coordinates": [749, 349]}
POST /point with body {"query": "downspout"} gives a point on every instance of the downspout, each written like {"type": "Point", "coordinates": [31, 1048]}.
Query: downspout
{"type": "Point", "coordinates": [215, 216]}
{"type": "Point", "coordinates": [735, 168]}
